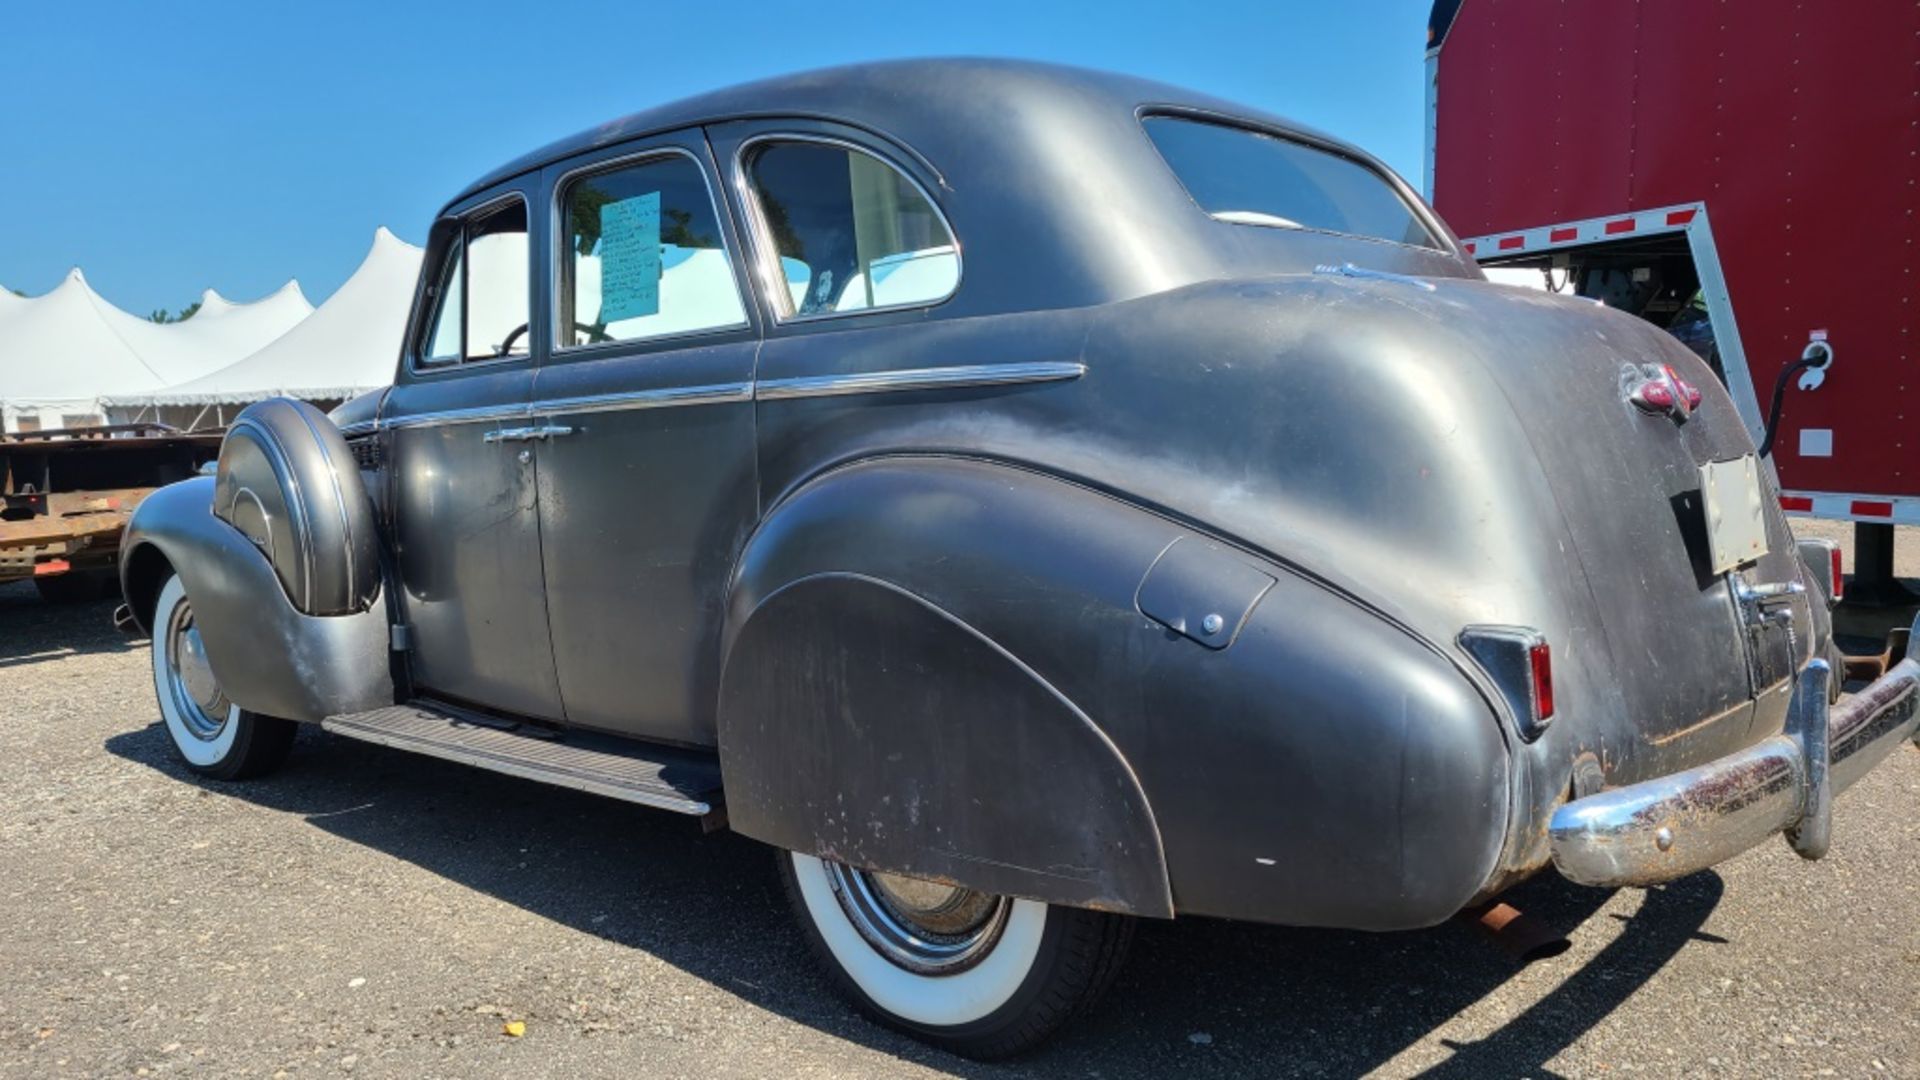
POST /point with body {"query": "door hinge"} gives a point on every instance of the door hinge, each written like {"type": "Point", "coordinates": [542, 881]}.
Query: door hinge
{"type": "Point", "coordinates": [400, 637]}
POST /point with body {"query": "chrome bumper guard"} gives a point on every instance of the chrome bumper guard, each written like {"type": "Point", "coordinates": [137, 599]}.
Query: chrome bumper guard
{"type": "Point", "coordinates": [1672, 826]}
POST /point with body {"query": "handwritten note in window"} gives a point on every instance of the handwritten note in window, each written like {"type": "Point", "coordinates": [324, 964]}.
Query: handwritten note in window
{"type": "Point", "coordinates": [630, 258]}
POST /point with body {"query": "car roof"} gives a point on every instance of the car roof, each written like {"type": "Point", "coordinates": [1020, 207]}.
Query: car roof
{"type": "Point", "coordinates": [1044, 173]}
{"type": "Point", "coordinates": [955, 97]}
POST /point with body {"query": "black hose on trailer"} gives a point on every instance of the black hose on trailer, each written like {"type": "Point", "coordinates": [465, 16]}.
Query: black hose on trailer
{"type": "Point", "coordinates": [1779, 391]}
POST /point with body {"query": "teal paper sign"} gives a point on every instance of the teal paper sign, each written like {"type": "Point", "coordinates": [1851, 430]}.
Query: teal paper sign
{"type": "Point", "coordinates": [630, 258]}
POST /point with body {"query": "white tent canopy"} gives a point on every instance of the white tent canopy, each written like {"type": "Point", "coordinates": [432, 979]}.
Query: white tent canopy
{"type": "Point", "coordinates": [348, 345]}
{"type": "Point", "coordinates": [63, 352]}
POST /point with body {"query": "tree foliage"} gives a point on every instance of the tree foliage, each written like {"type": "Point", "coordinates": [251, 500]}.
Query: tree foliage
{"type": "Point", "coordinates": [161, 315]}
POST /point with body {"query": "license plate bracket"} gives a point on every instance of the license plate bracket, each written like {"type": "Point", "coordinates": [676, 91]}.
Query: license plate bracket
{"type": "Point", "coordinates": [1736, 519]}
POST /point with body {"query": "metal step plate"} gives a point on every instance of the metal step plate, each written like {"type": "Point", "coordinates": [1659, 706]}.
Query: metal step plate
{"type": "Point", "coordinates": [684, 781]}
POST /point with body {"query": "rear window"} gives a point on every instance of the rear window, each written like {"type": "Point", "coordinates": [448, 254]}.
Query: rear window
{"type": "Point", "coordinates": [1250, 178]}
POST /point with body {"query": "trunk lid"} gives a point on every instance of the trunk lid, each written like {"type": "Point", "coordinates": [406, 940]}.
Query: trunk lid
{"type": "Point", "coordinates": [1689, 656]}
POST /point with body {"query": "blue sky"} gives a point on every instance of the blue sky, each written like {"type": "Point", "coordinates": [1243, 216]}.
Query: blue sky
{"type": "Point", "coordinates": [168, 149]}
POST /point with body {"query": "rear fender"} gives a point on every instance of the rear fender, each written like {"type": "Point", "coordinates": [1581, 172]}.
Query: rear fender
{"type": "Point", "coordinates": [962, 669]}
{"type": "Point", "coordinates": [862, 724]}
{"type": "Point", "coordinates": [865, 718]}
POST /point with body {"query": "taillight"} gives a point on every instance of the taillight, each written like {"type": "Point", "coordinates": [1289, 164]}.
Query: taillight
{"type": "Point", "coordinates": [1517, 660]}
{"type": "Point", "coordinates": [1688, 391]}
{"type": "Point", "coordinates": [1540, 665]}
{"type": "Point", "coordinates": [1839, 581]}
{"type": "Point", "coordinates": [1653, 396]}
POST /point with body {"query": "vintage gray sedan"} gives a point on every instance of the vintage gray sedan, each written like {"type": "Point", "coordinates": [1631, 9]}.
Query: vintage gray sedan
{"type": "Point", "coordinates": [1028, 499]}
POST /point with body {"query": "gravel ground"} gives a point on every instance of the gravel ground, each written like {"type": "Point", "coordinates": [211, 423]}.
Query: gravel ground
{"type": "Point", "coordinates": [370, 912]}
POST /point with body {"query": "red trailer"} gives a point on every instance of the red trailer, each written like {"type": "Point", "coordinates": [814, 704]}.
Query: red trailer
{"type": "Point", "coordinates": [1742, 173]}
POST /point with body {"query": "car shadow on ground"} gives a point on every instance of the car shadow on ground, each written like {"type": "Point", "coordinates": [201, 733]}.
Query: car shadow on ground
{"type": "Point", "coordinates": [1197, 997]}
{"type": "Point", "coordinates": [33, 630]}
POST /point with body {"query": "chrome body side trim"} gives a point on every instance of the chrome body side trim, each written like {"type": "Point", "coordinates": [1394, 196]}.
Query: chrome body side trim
{"type": "Point", "coordinates": [1672, 826]}
{"type": "Point", "coordinates": [477, 415]}
{"type": "Point", "coordinates": [362, 427]}
{"type": "Point", "coordinates": [715, 394]}
{"type": "Point", "coordinates": [934, 378]}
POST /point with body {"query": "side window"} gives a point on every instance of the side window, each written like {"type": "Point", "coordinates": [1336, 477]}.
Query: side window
{"type": "Point", "coordinates": [443, 343]}
{"type": "Point", "coordinates": [850, 231]}
{"type": "Point", "coordinates": [644, 256]}
{"type": "Point", "coordinates": [481, 295]}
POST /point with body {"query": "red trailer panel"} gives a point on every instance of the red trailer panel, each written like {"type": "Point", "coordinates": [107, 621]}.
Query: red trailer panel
{"type": "Point", "coordinates": [1776, 147]}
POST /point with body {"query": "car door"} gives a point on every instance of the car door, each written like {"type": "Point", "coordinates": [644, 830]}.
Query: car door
{"type": "Point", "coordinates": [647, 488]}
{"type": "Point", "coordinates": [466, 525]}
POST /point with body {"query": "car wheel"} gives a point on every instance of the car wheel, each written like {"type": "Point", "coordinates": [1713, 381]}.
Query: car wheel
{"type": "Point", "coordinates": [980, 975]}
{"type": "Point", "coordinates": [212, 735]}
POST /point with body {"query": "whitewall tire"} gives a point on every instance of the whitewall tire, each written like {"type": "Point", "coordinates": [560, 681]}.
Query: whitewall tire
{"type": "Point", "coordinates": [213, 736]}
{"type": "Point", "coordinates": [983, 976]}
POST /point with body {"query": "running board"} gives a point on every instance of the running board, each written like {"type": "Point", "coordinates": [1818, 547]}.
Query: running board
{"type": "Point", "coordinates": [684, 781]}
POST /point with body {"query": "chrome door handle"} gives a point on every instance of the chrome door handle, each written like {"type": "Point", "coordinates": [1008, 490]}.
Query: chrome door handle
{"type": "Point", "coordinates": [526, 434]}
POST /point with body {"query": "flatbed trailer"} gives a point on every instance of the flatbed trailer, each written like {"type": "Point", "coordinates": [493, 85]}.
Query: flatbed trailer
{"type": "Point", "coordinates": [66, 496]}
{"type": "Point", "coordinates": [1746, 175]}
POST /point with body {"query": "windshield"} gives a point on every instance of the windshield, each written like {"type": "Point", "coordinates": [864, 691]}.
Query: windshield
{"type": "Point", "coordinates": [1250, 178]}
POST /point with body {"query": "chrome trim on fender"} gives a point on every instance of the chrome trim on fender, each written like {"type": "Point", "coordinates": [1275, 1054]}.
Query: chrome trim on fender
{"type": "Point", "coordinates": [934, 378]}
{"type": "Point", "coordinates": [1671, 826]}
{"type": "Point", "coordinates": [359, 427]}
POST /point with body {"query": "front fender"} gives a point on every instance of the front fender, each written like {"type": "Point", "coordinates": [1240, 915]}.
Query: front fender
{"type": "Point", "coordinates": [1312, 763]}
{"type": "Point", "coordinates": [269, 657]}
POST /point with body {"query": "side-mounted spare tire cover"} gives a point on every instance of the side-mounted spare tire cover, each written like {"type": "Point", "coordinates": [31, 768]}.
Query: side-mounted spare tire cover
{"type": "Point", "coordinates": [288, 482]}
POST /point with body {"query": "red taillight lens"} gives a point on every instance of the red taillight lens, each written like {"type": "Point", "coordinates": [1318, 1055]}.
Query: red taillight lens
{"type": "Point", "coordinates": [1540, 663]}
{"type": "Point", "coordinates": [1839, 580]}
{"type": "Point", "coordinates": [1688, 392]}
{"type": "Point", "coordinates": [1653, 396]}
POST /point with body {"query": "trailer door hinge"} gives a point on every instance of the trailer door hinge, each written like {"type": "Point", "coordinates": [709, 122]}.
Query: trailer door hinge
{"type": "Point", "coordinates": [400, 637]}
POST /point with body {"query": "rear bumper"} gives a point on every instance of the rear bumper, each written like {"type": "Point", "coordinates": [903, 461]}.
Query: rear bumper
{"type": "Point", "coordinates": [1672, 826]}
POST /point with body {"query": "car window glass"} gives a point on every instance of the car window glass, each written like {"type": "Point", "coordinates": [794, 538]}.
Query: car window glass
{"type": "Point", "coordinates": [645, 256]}
{"type": "Point", "coordinates": [1251, 178]}
{"type": "Point", "coordinates": [443, 343]}
{"type": "Point", "coordinates": [497, 283]}
{"type": "Point", "coordinates": [851, 231]}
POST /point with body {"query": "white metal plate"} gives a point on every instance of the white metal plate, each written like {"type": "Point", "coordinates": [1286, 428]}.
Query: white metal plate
{"type": "Point", "coordinates": [1736, 523]}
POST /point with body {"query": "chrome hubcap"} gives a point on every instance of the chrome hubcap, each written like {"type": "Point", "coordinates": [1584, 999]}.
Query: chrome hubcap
{"type": "Point", "coordinates": [196, 693]}
{"type": "Point", "coordinates": [927, 927]}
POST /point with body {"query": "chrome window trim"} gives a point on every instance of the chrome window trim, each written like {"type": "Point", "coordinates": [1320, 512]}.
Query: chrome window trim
{"type": "Point", "coordinates": [413, 343]}
{"type": "Point", "coordinates": [931, 378]}
{"type": "Point", "coordinates": [561, 259]}
{"type": "Point", "coordinates": [766, 257]}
